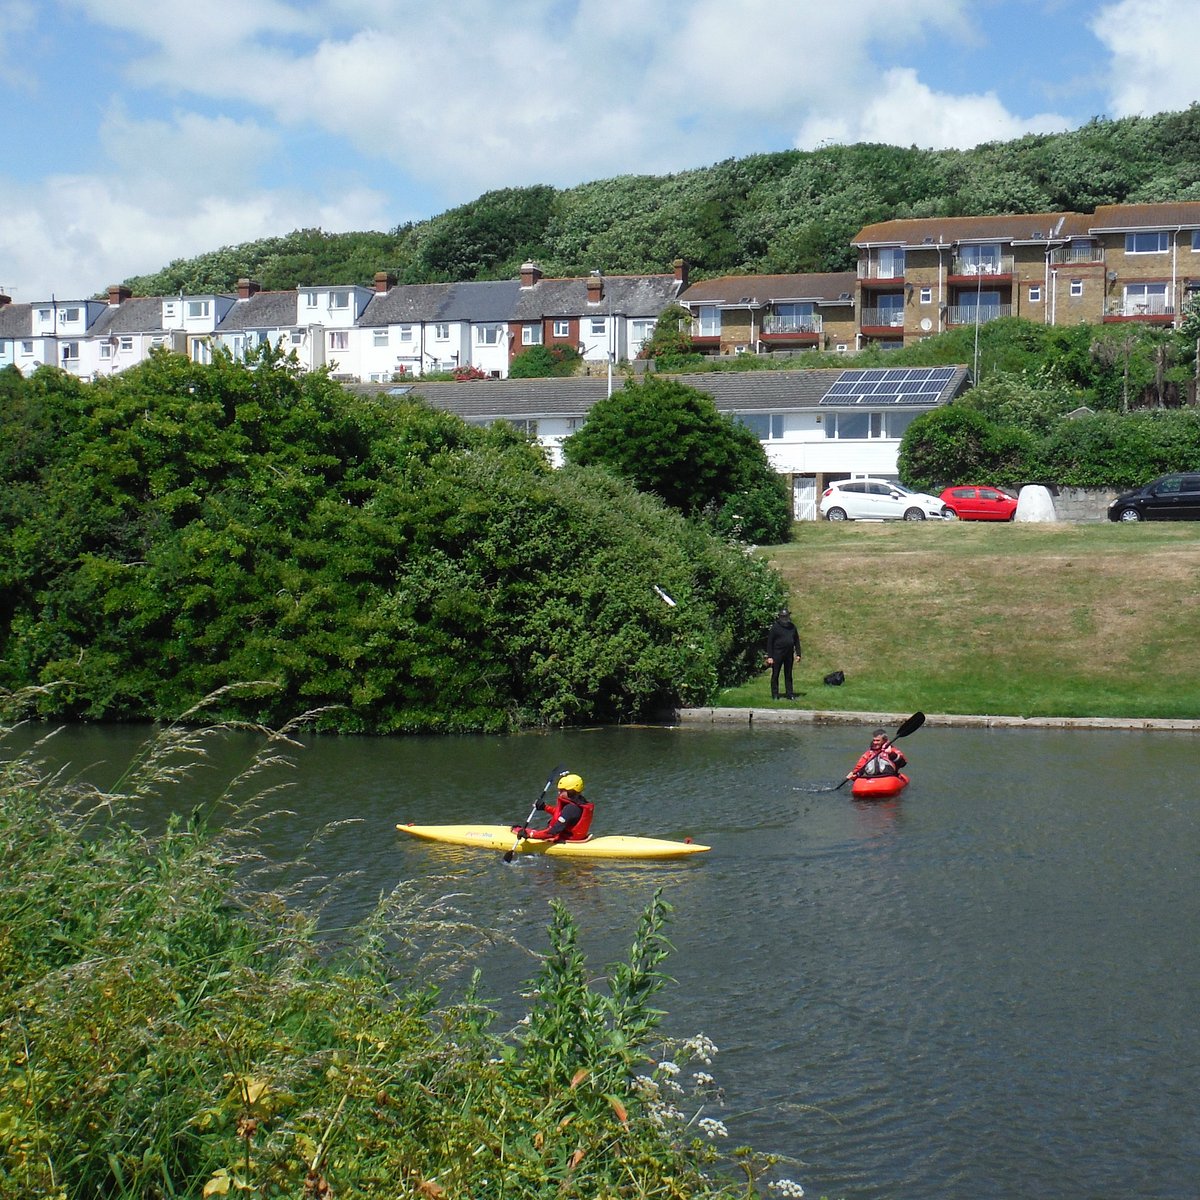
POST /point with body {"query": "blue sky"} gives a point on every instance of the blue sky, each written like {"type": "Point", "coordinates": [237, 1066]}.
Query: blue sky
{"type": "Point", "coordinates": [141, 131]}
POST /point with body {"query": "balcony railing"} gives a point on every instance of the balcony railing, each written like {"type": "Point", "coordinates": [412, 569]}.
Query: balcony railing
{"type": "Point", "coordinates": [876, 270]}
{"type": "Point", "coordinates": [774, 323]}
{"type": "Point", "coordinates": [893, 317]}
{"type": "Point", "coordinates": [1146, 306]}
{"type": "Point", "coordinates": [970, 314]}
{"type": "Point", "coordinates": [1077, 254]}
{"type": "Point", "coordinates": [1004, 265]}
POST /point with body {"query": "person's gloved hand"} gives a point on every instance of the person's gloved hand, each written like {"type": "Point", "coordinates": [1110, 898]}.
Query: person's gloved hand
{"type": "Point", "coordinates": [520, 830]}
{"type": "Point", "coordinates": [541, 806]}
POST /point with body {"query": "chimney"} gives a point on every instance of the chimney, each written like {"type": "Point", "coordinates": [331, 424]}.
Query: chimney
{"type": "Point", "coordinates": [4, 299]}
{"type": "Point", "coordinates": [681, 273]}
{"type": "Point", "coordinates": [246, 288]}
{"type": "Point", "coordinates": [383, 281]}
{"type": "Point", "coordinates": [118, 293]}
{"type": "Point", "coordinates": [595, 287]}
{"type": "Point", "coordinates": [530, 273]}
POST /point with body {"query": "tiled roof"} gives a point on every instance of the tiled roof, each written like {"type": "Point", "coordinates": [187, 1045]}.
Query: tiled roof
{"type": "Point", "coordinates": [263, 310]}
{"type": "Point", "coordinates": [758, 290]}
{"type": "Point", "coordinates": [142, 314]}
{"type": "Point", "coordinates": [480, 301]}
{"type": "Point", "coordinates": [1018, 227]}
{"type": "Point", "coordinates": [16, 320]}
{"type": "Point", "coordinates": [406, 303]}
{"type": "Point", "coordinates": [732, 392]}
{"type": "Point", "coordinates": [1146, 216]}
{"type": "Point", "coordinates": [626, 295]}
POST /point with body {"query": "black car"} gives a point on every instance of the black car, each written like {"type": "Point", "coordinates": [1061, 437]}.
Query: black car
{"type": "Point", "coordinates": [1168, 498]}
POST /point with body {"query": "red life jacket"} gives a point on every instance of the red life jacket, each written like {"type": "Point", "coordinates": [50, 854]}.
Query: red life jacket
{"type": "Point", "coordinates": [578, 831]}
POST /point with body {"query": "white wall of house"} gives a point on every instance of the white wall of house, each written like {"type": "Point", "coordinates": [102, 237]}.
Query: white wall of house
{"type": "Point", "coordinates": [489, 347]}
{"type": "Point", "coordinates": [598, 337]}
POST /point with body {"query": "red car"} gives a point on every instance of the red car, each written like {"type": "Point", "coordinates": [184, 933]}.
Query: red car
{"type": "Point", "coordinates": [970, 503]}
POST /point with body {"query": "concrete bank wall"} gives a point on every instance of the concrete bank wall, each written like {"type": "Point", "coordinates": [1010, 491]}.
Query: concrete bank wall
{"type": "Point", "coordinates": [798, 716]}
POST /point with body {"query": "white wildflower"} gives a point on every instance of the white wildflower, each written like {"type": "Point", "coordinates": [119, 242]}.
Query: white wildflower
{"type": "Point", "coordinates": [667, 1067]}
{"type": "Point", "coordinates": [713, 1128]}
{"type": "Point", "coordinates": [786, 1187]}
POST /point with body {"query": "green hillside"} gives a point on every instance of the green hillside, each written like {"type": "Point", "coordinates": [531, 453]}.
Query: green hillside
{"type": "Point", "coordinates": [785, 212]}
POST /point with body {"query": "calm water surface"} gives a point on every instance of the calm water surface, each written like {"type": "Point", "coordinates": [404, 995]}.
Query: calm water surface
{"type": "Point", "coordinates": [985, 989]}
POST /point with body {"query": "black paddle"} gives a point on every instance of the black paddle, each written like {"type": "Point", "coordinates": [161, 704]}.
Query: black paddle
{"type": "Point", "coordinates": [551, 780]}
{"type": "Point", "coordinates": [910, 726]}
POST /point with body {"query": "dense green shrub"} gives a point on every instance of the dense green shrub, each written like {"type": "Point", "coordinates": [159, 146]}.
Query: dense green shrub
{"type": "Point", "coordinates": [669, 439]}
{"type": "Point", "coordinates": [182, 527]}
{"type": "Point", "coordinates": [545, 362]}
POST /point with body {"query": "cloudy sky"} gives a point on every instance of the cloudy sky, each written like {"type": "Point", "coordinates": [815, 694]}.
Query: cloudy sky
{"type": "Point", "coordinates": [141, 131]}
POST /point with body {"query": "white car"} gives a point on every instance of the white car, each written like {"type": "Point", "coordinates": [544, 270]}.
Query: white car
{"type": "Point", "coordinates": [878, 500]}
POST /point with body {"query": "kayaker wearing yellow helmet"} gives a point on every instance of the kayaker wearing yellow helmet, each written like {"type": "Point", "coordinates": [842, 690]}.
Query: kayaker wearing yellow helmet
{"type": "Point", "coordinates": [570, 816]}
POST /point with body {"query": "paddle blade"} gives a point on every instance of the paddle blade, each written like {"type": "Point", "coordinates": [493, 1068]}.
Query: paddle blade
{"type": "Point", "coordinates": [911, 725]}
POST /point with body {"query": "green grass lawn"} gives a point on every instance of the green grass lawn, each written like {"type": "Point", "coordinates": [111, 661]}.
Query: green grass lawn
{"type": "Point", "coordinates": [1013, 620]}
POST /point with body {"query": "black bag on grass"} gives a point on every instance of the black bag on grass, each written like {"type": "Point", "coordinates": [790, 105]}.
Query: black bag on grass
{"type": "Point", "coordinates": [835, 678]}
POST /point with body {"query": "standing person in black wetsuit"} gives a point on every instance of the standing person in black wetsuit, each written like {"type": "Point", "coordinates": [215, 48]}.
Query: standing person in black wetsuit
{"type": "Point", "coordinates": [783, 647]}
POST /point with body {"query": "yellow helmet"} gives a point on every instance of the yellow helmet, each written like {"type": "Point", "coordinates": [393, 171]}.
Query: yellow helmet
{"type": "Point", "coordinates": [570, 783]}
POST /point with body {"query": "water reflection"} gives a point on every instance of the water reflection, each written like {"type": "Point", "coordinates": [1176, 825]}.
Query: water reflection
{"type": "Point", "coordinates": [982, 988]}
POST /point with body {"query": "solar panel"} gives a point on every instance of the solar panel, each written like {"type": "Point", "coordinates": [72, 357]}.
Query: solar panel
{"type": "Point", "coordinates": [882, 386]}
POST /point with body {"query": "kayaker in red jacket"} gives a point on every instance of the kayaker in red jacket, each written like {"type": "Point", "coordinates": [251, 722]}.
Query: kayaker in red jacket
{"type": "Point", "coordinates": [570, 816]}
{"type": "Point", "coordinates": [881, 758]}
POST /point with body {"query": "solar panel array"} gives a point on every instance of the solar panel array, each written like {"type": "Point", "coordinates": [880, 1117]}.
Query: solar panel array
{"type": "Point", "coordinates": [877, 386]}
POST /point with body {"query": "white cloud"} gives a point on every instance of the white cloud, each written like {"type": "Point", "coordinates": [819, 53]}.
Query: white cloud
{"type": "Point", "coordinates": [903, 111]}
{"type": "Point", "coordinates": [1153, 47]}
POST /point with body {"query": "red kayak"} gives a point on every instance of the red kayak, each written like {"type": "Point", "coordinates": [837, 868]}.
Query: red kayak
{"type": "Point", "coordinates": [878, 787]}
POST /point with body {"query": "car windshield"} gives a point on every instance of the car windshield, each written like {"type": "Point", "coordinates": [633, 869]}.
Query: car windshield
{"type": "Point", "coordinates": [899, 487]}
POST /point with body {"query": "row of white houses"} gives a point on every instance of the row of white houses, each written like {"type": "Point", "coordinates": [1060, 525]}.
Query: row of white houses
{"type": "Point", "coordinates": [377, 334]}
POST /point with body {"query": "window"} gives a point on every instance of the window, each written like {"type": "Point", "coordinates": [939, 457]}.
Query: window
{"type": "Point", "coordinates": [982, 259]}
{"type": "Point", "coordinates": [70, 315]}
{"type": "Point", "coordinates": [106, 350]}
{"type": "Point", "coordinates": [70, 351]}
{"type": "Point", "coordinates": [379, 337]}
{"type": "Point", "coordinates": [27, 349]}
{"type": "Point", "coordinates": [889, 262]}
{"type": "Point", "coordinates": [1196, 241]}
{"type": "Point", "coordinates": [125, 344]}
{"type": "Point", "coordinates": [197, 309]}
{"type": "Point", "coordinates": [531, 335]}
{"type": "Point", "coordinates": [487, 335]}
{"type": "Point", "coordinates": [926, 295]}
{"type": "Point", "coordinates": [1145, 298]}
{"type": "Point", "coordinates": [1076, 287]}
{"type": "Point", "coordinates": [891, 424]}
{"type": "Point", "coordinates": [339, 339]}
{"type": "Point", "coordinates": [201, 350]}
{"type": "Point", "coordinates": [1035, 293]}
{"type": "Point", "coordinates": [562, 329]}
{"type": "Point", "coordinates": [339, 299]}
{"type": "Point", "coordinates": [642, 331]}
{"type": "Point", "coordinates": [310, 299]}
{"type": "Point", "coordinates": [441, 331]}
{"type": "Point", "coordinates": [764, 426]}
{"type": "Point", "coordinates": [708, 321]}
{"type": "Point", "coordinates": [406, 333]}
{"type": "Point", "coordinates": [1150, 241]}
{"type": "Point", "coordinates": [598, 327]}
{"type": "Point", "coordinates": [296, 338]}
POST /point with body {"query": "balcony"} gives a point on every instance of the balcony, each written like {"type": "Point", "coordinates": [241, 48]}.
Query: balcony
{"type": "Point", "coordinates": [778, 325]}
{"type": "Point", "coordinates": [882, 318]}
{"type": "Point", "coordinates": [972, 314]}
{"type": "Point", "coordinates": [1077, 255]}
{"type": "Point", "coordinates": [1144, 308]}
{"type": "Point", "coordinates": [970, 267]}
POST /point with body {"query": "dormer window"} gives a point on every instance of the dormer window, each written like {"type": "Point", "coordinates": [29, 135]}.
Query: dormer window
{"type": "Point", "coordinates": [197, 309]}
{"type": "Point", "coordinates": [339, 299]}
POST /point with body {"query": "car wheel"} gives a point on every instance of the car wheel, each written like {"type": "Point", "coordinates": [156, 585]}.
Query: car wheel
{"type": "Point", "coordinates": [913, 514]}
{"type": "Point", "coordinates": [836, 514]}
{"type": "Point", "coordinates": [948, 514]}
{"type": "Point", "coordinates": [1129, 514]}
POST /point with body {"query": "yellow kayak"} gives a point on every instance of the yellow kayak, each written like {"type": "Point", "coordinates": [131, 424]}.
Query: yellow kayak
{"type": "Point", "coordinates": [502, 838]}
